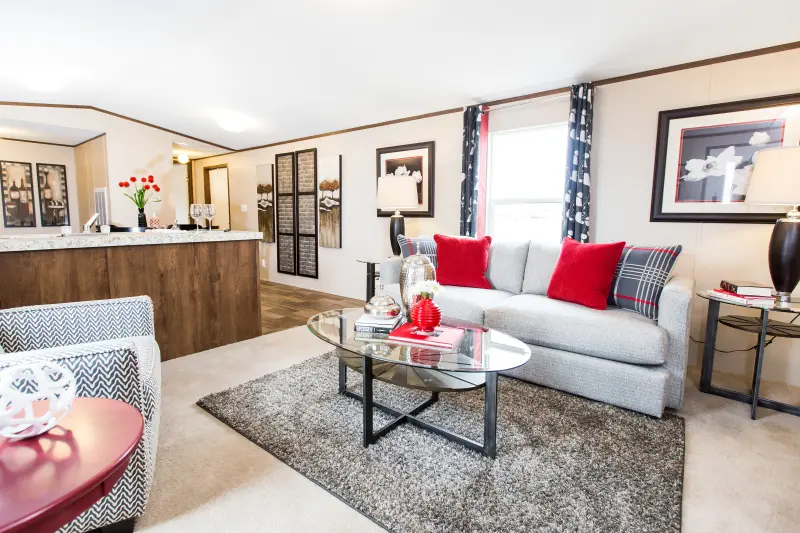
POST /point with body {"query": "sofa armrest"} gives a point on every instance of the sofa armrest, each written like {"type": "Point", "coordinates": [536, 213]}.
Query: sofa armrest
{"type": "Point", "coordinates": [107, 369]}
{"type": "Point", "coordinates": [47, 326]}
{"type": "Point", "coordinates": [675, 316]}
{"type": "Point", "coordinates": [390, 270]}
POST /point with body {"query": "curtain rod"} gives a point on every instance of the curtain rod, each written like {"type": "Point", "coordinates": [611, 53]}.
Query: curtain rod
{"type": "Point", "coordinates": [529, 101]}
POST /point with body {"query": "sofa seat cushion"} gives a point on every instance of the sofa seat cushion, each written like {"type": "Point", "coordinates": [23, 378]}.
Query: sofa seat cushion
{"type": "Point", "coordinates": [614, 334]}
{"type": "Point", "coordinates": [463, 303]}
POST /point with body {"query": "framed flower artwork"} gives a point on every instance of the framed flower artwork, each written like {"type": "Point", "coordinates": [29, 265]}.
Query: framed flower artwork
{"type": "Point", "coordinates": [705, 156]}
{"type": "Point", "coordinates": [417, 161]}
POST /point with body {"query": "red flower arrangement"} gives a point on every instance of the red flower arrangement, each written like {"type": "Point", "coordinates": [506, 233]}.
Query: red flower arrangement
{"type": "Point", "coordinates": [141, 195]}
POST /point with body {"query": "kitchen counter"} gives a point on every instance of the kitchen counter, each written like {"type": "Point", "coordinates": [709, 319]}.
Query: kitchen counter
{"type": "Point", "coordinates": [28, 243]}
{"type": "Point", "coordinates": [204, 285]}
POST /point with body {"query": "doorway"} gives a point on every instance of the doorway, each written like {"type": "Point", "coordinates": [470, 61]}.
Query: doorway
{"type": "Point", "coordinates": [217, 191]}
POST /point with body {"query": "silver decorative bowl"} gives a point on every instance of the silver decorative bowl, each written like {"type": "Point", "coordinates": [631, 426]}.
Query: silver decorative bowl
{"type": "Point", "coordinates": [382, 306]}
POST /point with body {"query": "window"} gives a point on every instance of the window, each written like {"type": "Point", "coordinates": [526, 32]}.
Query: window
{"type": "Point", "coordinates": [526, 183]}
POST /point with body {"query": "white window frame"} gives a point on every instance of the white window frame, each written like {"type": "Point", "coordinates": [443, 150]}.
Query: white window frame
{"type": "Point", "coordinates": [490, 202]}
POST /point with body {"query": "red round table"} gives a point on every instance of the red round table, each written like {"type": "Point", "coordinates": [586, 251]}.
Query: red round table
{"type": "Point", "coordinates": [47, 481]}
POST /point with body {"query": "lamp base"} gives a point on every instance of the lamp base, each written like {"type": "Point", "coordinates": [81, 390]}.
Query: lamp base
{"type": "Point", "coordinates": [784, 255]}
{"type": "Point", "coordinates": [397, 226]}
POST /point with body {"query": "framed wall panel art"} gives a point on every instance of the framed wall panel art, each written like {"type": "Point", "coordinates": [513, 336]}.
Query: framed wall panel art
{"type": "Point", "coordinates": [53, 197]}
{"type": "Point", "coordinates": [705, 156]}
{"type": "Point", "coordinates": [16, 189]}
{"type": "Point", "coordinates": [415, 160]}
{"type": "Point", "coordinates": [265, 194]}
{"type": "Point", "coordinates": [330, 201]}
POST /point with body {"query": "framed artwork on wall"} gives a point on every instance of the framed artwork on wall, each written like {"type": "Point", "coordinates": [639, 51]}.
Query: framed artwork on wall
{"type": "Point", "coordinates": [265, 191]}
{"type": "Point", "coordinates": [285, 215]}
{"type": "Point", "coordinates": [330, 201]}
{"type": "Point", "coordinates": [307, 212]}
{"type": "Point", "coordinates": [705, 156]}
{"type": "Point", "coordinates": [16, 186]}
{"type": "Point", "coordinates": [53, 197]}
{"type": "Point", "coordinates": [417, 160]}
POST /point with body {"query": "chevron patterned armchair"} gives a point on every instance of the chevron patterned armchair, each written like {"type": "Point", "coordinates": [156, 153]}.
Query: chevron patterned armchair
{"type": "Point", "coordinates": [110, 347]}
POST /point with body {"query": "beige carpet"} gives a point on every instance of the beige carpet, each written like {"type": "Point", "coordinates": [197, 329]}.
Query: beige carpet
{"type": "Point", "coordinates": [741, 476]}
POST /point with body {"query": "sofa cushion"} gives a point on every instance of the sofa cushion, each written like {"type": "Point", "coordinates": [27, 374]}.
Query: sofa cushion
{"type": "Point", "coordinates": [584, 273]}
{"type": "Point", "coordinates": [641, 274]}
{"type": "Point", "coordinates": [464, 303]}
{"type": "Point", "coordinates": [615, 334]}
{"type": "Point", "coordinates": [424, 245]}
{"type": "Point", "coordinates": [507, 265]}
{"type": "Point", "coordinates": [462, 261]}
{"type": "Point", "coordinates": [539, 267]}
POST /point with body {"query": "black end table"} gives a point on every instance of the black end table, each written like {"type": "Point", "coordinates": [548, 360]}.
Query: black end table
{"type": "Point", "coordinates": [763, 327]}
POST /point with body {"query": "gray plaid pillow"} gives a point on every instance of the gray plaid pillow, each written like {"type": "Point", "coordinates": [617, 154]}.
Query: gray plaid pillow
{"type": "Point", "coordinates": [641, 274]}
{"type": "Point", "coordinates": [424, 245]}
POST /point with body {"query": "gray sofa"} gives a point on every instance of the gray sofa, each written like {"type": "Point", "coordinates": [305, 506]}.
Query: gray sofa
{"type": "Point", "coordinates": [615, 356]}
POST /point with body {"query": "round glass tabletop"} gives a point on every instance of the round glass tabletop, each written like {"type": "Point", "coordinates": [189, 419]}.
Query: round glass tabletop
{"type": "Point", "coordinates": [480, 350]}
{"type": "Point", "coordinates": [792, 306]}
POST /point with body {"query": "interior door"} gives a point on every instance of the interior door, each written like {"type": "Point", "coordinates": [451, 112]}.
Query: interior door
{"type": "Point", "coordinates": [218, 193]}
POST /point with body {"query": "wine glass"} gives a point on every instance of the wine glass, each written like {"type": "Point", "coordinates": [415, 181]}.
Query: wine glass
{"type": "Point", "coordinates": [196, 212]}
{"type": "Point", "coordinates": [209, 211]}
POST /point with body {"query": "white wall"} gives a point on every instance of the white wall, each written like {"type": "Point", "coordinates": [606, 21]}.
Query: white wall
{"type": "Point", "coordinates": [26, 152]}
{"type": "Point", "coordinates": [623, 152]}
{"type": "Point", "coordinates": [365, 236]}
{"type": "Point", "coordinates": [133, 150]}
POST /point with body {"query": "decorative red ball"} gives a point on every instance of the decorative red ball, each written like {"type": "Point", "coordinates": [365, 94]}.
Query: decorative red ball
{"type": "Point", "coordinates": [151, 179]}
{"type": "Point", "coordinates": [133, 179]}
{"type": "Point", "coordinates": [426, 314]}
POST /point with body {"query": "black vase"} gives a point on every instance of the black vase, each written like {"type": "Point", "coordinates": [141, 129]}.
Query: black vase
{"type": "Point", "coordinates": [142, 218]}
{"type": "Point", "coordinates": [784, 256]}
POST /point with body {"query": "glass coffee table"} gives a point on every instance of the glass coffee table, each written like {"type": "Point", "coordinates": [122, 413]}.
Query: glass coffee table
{"type": "Point", "coordinates": [473, 364]}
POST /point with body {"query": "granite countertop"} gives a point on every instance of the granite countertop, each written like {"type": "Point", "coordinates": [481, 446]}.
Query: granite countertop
{"type": "Point", "coordinates": [26, 243]}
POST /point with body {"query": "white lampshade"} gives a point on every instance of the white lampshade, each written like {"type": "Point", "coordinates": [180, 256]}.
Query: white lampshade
{"type": "Point", "coordinates": [397, 192]}
{"type": "Point", "coordinates": [776, 177]}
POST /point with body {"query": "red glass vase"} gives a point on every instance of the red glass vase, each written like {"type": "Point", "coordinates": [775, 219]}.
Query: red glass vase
{"type": "Point", "coordinates": [426, 314]}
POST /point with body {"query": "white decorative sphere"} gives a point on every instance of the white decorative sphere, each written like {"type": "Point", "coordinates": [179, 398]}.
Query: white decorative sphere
{"type": "Point", "coordinates": [22, 385]}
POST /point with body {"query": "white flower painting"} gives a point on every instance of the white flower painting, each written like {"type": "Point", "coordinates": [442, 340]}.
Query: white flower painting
{"type": "Point", "coordinates": [722, 172]}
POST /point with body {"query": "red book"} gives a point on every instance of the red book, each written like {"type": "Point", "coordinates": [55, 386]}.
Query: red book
{"type": "Point", "coordinates": [442, 337]}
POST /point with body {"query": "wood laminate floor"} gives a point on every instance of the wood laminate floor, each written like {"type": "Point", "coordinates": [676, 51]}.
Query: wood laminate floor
{"type": "Point", "coordinates": [285, 306]}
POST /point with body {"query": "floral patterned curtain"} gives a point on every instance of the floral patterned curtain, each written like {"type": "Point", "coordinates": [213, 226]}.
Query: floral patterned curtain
{"type": "Point", "coordinates": [578, 181]}
{"type": "Point", "coordinates": [470, 163]}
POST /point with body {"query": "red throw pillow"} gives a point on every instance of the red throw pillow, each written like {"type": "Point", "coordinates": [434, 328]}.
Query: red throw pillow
{"type": "Point", "coordinates": [462, 261]}
{"type": "Point", "coordinates": [584, 273]}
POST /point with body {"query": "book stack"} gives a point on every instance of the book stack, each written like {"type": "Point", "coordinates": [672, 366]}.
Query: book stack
{"type": "Point", "coordinates": [744, 293]}
{"type": "Point", "coordinates": [441, 337]}
{"type": "Point", "coordinates": [368, 326]}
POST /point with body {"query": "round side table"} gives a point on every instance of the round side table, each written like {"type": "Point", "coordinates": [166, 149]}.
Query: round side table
{"type": "Point", "coordinates": [47, 481]}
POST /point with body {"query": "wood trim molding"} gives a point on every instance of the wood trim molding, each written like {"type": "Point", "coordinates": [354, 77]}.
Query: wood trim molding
{"type": "Point", "coordinates": [107, 112]}
{"type": "Point", "coordinates": [89, 140]}
{"type": "Point", "coordinates": [37, 142]}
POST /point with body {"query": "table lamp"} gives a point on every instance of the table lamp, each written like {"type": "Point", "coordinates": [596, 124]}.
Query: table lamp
{"type": "Point", "coordinates": [397, 192]}
{"type": "Point", "coordinates": [776, 181]}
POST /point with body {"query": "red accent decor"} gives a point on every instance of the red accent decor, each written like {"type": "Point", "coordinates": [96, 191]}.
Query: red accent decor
{"type": "Point", "coordinates": [442, 337]}
{"type": "Point", "coordinates": [49, 480]}
{"type": "Point", "coordinates": [426, 314]}
{"type": "Point", "coordinates": [584, 273]}
{"type": "Point", "coordinates": [483, 153]}
{"type": "Point", "coordinates": [462, 261]}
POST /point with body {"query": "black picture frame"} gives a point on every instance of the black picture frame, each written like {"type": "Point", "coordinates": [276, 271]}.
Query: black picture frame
{"type": "Point", "coordinates": [659, 172]}
{"type": "Point", "coordinates": [44, 208]}
{"type": "Point", "coordinates": [301, 192]}
{"type": "Point", "coordinates": [430, 146]}
{"type": "Point", "coordinates": [8, 204]}
{"type": "Point", "coordinates": [285, 266]}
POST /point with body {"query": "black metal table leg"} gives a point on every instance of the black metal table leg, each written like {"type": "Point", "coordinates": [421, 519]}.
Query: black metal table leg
{"type": "Point", "coordinates": [762, 338]}
{"type": "Point", "coordinates": [710, 344]}
{"type": "Point", "coordinates": [367, 400]}
{"type": "Point", "coordinates": [370, 280]}
{"type": "Point", "coordinates": [342, 377]}
{"type": "Point", "coordinates": [490, 416]}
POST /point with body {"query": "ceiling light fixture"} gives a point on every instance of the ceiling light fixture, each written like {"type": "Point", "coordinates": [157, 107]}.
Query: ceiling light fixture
{"type": "Point", "coordinates": [234, 122]}
{"type": "Point", "coordinates": [183, 159]}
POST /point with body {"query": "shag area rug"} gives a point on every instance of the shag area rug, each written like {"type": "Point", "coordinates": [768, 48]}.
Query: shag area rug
{"type": "Point", "coordinates": [563, 463]}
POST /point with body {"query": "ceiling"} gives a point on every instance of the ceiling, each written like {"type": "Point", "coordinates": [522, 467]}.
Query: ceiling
{"type": "Point", "coordinates": [44, 133]}
{"type": "Point", "coordinates": [302, 67]}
